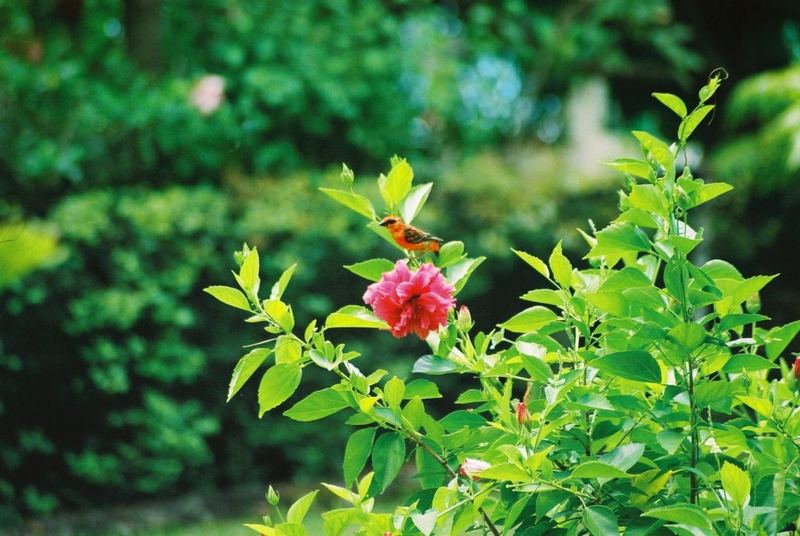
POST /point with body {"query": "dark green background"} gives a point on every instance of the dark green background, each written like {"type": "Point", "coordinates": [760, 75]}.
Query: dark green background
{"type": "Point", "coordinates": [114, 365]}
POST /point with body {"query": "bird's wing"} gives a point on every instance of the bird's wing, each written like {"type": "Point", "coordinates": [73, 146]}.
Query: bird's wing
{"type": "Point", "coordinates": [415, 236]}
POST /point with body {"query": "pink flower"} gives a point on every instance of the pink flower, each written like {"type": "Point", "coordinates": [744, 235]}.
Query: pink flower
{"type": "Point", "coordinates": [472, 466]}
{"type": "Point", "coordinates": [207, 93]}
{"type": "Point", "coordinates": [522, 413]}
{"type": "Point", "coordinates": [411, 302]}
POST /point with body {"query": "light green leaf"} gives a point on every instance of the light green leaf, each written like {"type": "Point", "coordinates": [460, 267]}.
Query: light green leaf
{"type": "Point", "coordinates": [229, 296]}
{"type": "Point", "coordinates": [544, 295]}
{"type": "Point", "coordinates": [658, 150]}
{"type": "Point", "coordinates": [248, 273]}
{"type": "Point", "coordinates": [287, 350]}
{"type": "Point", "coordinates": [649, 198]}
{"type": "Point", "coordinates": [317, 405]}
{"type": "Point", "coordinates": [631, 166]}
{"type": "Point", "coordinates": [372, 269]}
{"type": "Point", "coordinates": [748, 363]}
{"type": "Point", "coordinates": [685, 513]}
{"type": "Point", "coordinates": [672, 102]}
{"type": "Point", "coordinates": [356, 454]}
{"type": "Point", "coordinates": [530, 319]}
{"type": "Point", "coordinates": [736, 484]}
{"type": "Point", "coordinates": [281, 313]}
{"type": "Point", "coordinates": [298, 510]}
{"type": "Point", "coordinates": [710, 191]}
{"type": "Point", "coordinates": [422, 389]}
{"type": "Point", "coordinates": [388, 456]}
{"type": "Point", "coordinates": [414, 201]}
{"type": "Point", "coordinates": [278, 384]}
{"type": "Point", "coordinates": [691, 122]}
{"type": "Point", "coordinates": [261, 529]}
{"type": "Point", "coordinates": [353, 201]}
{"type": "Point", "coordinates": [290, 529]}
{"type": "Point", "coordinates": [433, 365]}
{"type": "Point", "coordinates": [450, 253]}
{"type": "Point", "coordinates": [761, 406]}
{"type": "Point", "coordinates": [283, 281]}
{"type": "Point", "coordinates": [600, 521]}
{"type": "Point", "coordinates": [595, 469]}
{"type": "Point", "coordinates": [456, 420]}
{"type": "Point", "coordinates": [618, 239]}
{"type": "Point", "coordinates": [354, 316]}
{"type": "Point", "coordinates": [634, 365]}
{"type": "Point", "coordinates": [398, 182]}
{"type": "Point", "coordinates": [459, 273]}
{"type": "Point", "coordinates": [535, 262]}
{"type": "Point", "coordinates": [393, 392]}
{"type": "Point", "coordinates": [562, 268]}
{"type": "Point", "coordinates": [623, 457]}
{"type": "Point", "coordinates": [245, 368]}
{"type": "Point", "coordinates": [505, 471]}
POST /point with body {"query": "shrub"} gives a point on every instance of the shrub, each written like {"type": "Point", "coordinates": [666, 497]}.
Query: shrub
{"type": "Point", "coordinates": [642, 393]}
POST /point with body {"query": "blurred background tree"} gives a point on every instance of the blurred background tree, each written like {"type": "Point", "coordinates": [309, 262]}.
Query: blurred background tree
{"type": "Point", "coordinates": [154, 137]}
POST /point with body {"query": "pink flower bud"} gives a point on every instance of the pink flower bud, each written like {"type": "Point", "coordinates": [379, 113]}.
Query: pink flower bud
{"type": "Point", "coordinates": [463, 319]}
{"type": "Point", "coordinates": [472, 466]}
{"type": "Point", "coordinates": [207, 94]}
{"type": "Point", "coordinates": [797, 368]}
{"type": "Point", "coordinates": [522, 413]}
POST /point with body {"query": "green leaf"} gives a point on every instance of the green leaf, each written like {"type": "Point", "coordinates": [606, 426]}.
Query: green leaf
{"type": "Point", "coordinates": [290, 529]}
{"type": "Point", "coordinates": [562, 268]}
{"type": "Point", "coordinates": [761, 406]}
{"type": "Point", "coordinates": [732, 321]}
{"type": "Point", "coordinates": [354, 316]}
{"type": "Point", "coordinates": [353, 201]}
{"type": "Point", "coordinates": [634, 365]}
{"type": "Point", "coordinates": [691, 122]}
{"type": "Point", "coordinates": [631, 166]}
{"type": "Point", "coordinates": [317, 405]}
{"type": "Point", "coordinates": [248, 273]}
{"type": "Point", "coordinates": [245, 368]}
{"type": "Point", "coordinates": [670, 440]}
{"type": "Point", "coordinates": [298, 510]}
{"type": "Point", "coordinates": [747, 363]}
{"type": "Point", "coordinates": [422, 389]}
{"type": "Point", "coordinates": [711, 191]}
{"type": "Point", "coordinates": [624, 279]}
{"type": "Point", "coordinates": [278, 384]}
{"type": "Point", "coordinates": [450, 253]}
{"type": "Point", "coordinates": [684, 513]}
{"type": "Point", "coordinates": [672, 102]}
{"type": "Point", "coordinates": [530, 319]}
{"type": "Point", "coordinates": [372, 269]}
{"type": "Point", "coordinates": [280, 313]}
{"type": "Point", "coordinates": [283, 281]}
{"type": "Point", "coordinates": [414, 201]}
{"type": "Point", "coordinates": [398, 182]}
{"type": "Point", "coordinates": [229, 296]}
{"type": "Point", "coordinates": [600, 521]}
{"type": "Point", "coordinates": [544, 295]}
{"type": "Point", "coordinates": [736, 484]}
{"type": "Point", "coordinates": [505, 471]}
{"type": "Point", "coordinates": [433, 365]}
{"type": "Point", "coordinates": [779, 338]}
{"type": "Point", "coordinates": [595, 469]}
{"type": "Point", "coordinates": [623, 457]}
{"type": "Point", "coordinates": [455, 421]}
{"type": "Point", "coordinates": [537, 368]}
{"type": "Point", "coordinates": [388, 456]}
{"type": "Point", "coordinates": [356, 454]}
{"type": "Point", "coordinates": [649, 198]}
{"type": "Point", "coordinates": [459, 273]}
{"type": "Point", "coordinates": [658, 150]}
{"type": "Point", "coordinates": [618, 239]}
{"type": "Point", "coordinates": [535, 262]}
{"type": "Point", "coordinates": [393, 392]}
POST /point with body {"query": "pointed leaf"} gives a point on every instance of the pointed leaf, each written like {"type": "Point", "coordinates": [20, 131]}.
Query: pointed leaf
{"type": "Point", "coordinates": [372, 269]}
{"type": "Point", "coordinates": [356, 454]}
{"type": "Point", "coordinates": [278, 384]}
{"type": "Point", "coordinates": [353, 201]}
{"type": "Point", "coordinates": [317, 405]}
{"type": "Point", "coordinates": [245, 368]}
{"type": "Point", "coordinates": [414, 201]}
{"type": "Point", "coordinates": [229, 296]}
{"type": "Point", "coordinates": [672, 102]}
{"type": "Point", "coordinates": [634, 365]}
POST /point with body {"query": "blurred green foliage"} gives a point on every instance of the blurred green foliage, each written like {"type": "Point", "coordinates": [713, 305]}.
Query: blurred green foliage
{"type": "Point", "coordinates": [111, 359]}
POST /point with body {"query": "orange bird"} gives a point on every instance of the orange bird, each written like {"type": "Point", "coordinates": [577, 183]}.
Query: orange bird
{"type": "Point", "coordinates": [409, 237]}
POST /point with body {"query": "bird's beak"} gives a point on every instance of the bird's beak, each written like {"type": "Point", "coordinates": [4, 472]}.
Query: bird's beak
{"type": "Point", "coordinates": [383, 223]}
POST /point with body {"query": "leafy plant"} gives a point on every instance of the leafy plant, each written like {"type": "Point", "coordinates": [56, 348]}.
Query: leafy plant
{"type": "Point", "coordinates": [640, 393]}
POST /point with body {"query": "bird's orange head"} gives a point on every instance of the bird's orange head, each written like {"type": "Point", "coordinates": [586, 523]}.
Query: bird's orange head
{"type": "Point", "coordinates": [392, 223]}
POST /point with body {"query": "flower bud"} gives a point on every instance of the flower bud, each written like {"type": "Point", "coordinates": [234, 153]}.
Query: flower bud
{"type": "Point", "coordinates": [753, 303]}
{"type": "Point", "coordinates": [464, 319]}
{"type": "Point", "coordinates": [470, 466]}
{"type": "Point", "coordinates": [522, 413]}
{"type": "Point", "coordinates": [347, 175]}
{"type": "Point", "coordinates": [273, 497]}
{"type": "Point", "coordinates": [796, 368]}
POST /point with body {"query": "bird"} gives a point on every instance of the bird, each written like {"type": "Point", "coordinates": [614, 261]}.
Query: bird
{"type": "Point", "coordinates": [409, 237]}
